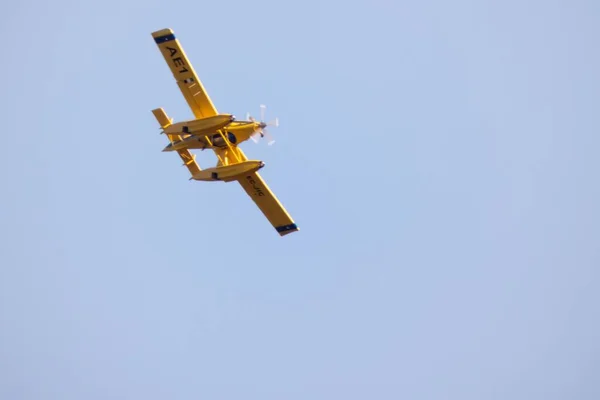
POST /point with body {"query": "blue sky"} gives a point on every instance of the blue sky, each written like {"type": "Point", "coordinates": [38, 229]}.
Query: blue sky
{"type": "Point", "coordinates": [439, 157]}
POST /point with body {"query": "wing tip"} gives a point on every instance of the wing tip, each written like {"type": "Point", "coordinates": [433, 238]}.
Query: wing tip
{"type": "Point", "coordinates": [163, 32]}
{"type": "Point", "coordinates": [287, 229]}
{"type": "Point", "coordinates": [163, 35]}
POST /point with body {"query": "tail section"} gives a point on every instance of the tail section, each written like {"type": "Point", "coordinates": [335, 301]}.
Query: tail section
{"type": "Point", "coordinates": [162, 118]}
{"type": "Point", "coordinates": [189, 160]}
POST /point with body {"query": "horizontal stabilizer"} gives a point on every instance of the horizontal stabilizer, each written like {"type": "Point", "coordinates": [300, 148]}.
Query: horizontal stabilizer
{"type": "Point", "coordinates": [188, 158]}
{"type": "Point", "coordinates": [161, 117]}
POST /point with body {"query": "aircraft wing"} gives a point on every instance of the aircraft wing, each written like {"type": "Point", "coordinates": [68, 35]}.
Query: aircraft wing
{"type": "Point", "coordinates": [184, 74]}
{"type": "Point", "coordinates": [262, 195]}
{"type": "Point", "coordinates": [264, 198]}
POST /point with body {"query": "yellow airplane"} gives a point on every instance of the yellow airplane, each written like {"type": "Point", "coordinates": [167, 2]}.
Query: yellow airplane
{"type": "Point", "coordinates": [220, 132]}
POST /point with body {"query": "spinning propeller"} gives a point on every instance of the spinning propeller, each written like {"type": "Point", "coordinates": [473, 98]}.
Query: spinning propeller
{"type": "Point", "coordinates": [263, 126]}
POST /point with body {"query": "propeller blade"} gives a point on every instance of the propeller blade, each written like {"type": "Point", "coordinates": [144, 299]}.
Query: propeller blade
{"type": "Point", "coordinates": [262, 132]}
{"type": "Point", "coordinates": [268, 136]}
{"type": "Point", "coordinates": [262, 112]}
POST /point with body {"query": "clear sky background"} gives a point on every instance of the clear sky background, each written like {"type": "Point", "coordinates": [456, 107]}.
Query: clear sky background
{"type": "Point", "coordinates": [440, 158]}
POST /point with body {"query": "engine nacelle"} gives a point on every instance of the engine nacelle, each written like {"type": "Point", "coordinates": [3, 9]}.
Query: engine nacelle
{"type": "Point", "coordinates": [218, 140]}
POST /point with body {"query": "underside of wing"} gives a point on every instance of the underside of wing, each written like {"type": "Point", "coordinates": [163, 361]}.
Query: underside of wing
{"type": "Point", "coordinates": [187, 80]}
{"type": "Point", "coordinates": [268, 203]}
